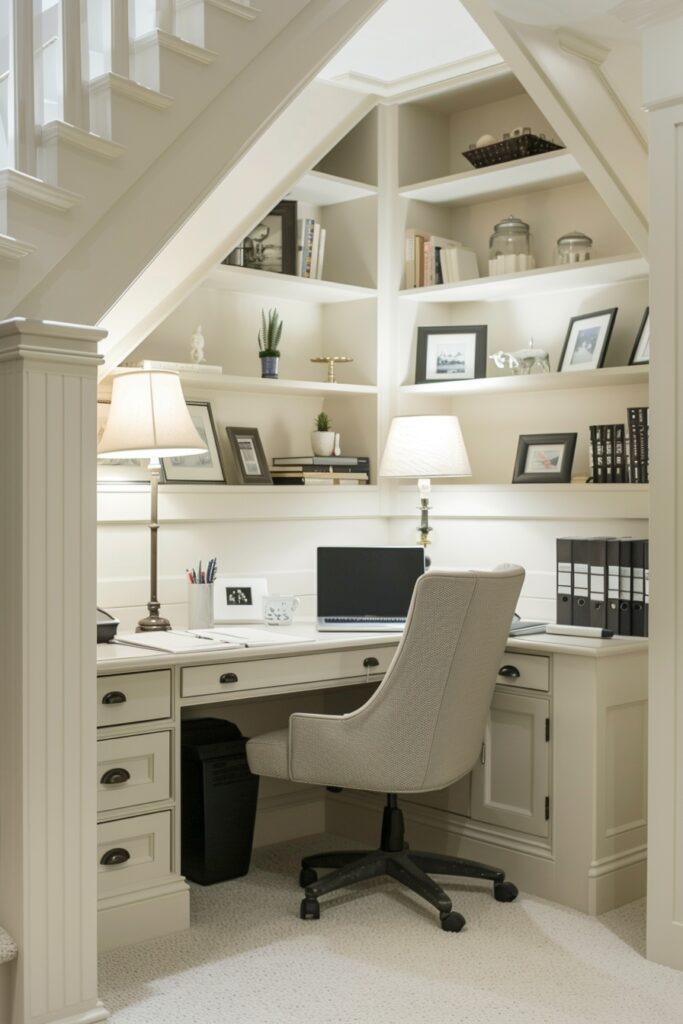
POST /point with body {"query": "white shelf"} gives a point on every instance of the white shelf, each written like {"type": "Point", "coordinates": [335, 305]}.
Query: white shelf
{"type": "Point", "coordinates": [609, 376]}
{"type": "Point", "coordinates": [547, 170]}
{"type": "Point", "coordinates": [322, 189]}
{"type": "Point", "coordinates": [544, 281]}
{"type": "Point", "coordinates": [283, 286]}
{"type": "Point", "coordinates": [263, 386]}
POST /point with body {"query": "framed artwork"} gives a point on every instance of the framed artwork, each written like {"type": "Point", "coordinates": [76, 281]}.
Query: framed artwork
{"type": "Point", "coordinates": [122, 471]}
{"type": "Point", "coordinates": [544, 459]}
{"type": "Point", "coordinates": [641, 348]}
{"type": "Point", "coordinates": [450, 353]}
{"type": "Point", "coordinates": [238, 599]}
{"type": "Point", "coordinates": [271, 245]}
{"type": "Point", "coordinates": [248, 454]}
{"type": "Point", "coordinates": [586, 342]}
{"type": "Point", "coordinates": [205, 468]}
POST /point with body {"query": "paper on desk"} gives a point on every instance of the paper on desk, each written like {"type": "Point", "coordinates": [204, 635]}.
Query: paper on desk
{"type": "Point", "coordinates": [171, 642]}
{"type": "Point", "coordinates": [250, 637]}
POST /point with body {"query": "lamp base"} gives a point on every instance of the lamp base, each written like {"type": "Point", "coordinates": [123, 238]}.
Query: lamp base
{"type": "Point", "coordinates": [152, 623]}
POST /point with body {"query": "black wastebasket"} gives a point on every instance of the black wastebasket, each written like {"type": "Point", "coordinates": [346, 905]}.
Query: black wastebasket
{"type": "Point", "coordinates": [218, 801]}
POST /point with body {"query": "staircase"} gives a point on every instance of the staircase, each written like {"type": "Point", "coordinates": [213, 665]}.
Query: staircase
{"type": "Point", "coordinates": [133, 102]}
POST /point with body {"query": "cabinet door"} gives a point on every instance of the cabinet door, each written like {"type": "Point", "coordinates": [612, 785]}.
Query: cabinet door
{"type": "Point", "coordinates": [511, 782]}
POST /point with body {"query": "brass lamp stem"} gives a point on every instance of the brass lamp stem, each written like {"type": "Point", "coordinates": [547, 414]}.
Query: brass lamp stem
{"type": "Point", "coordinates": [153, 621]}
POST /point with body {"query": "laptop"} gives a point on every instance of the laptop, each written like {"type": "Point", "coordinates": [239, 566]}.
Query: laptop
{"type": "Point", "coordinates": [367, 589]}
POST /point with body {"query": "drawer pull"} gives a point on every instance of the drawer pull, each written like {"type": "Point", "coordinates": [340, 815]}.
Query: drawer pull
{"type": "Point", "coordinates": [370, 663]}
{"type": "Point", "coordinates": [509, 672]}
{"type": "Point", "coordinates": [116, 856]}
{"type": "Point", "coordinates": [114, 697]}
{"type": "Point", "coordinates": [228, 677]}
{"type": "Point", "coordinates": [115, 776]}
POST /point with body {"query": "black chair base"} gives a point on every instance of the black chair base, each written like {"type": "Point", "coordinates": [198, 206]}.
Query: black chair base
{"type": "Point", "coordinates": [409, 867]}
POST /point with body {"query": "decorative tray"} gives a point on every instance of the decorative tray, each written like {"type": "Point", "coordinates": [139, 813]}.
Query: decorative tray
{"type": "Point", "coordinates": [514, 148]}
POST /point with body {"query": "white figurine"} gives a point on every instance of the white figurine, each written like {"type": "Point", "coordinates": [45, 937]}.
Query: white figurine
{"type": "Point", "coordinates": [197, 346]}
{"type": "Point", "coordinates": [524, 360]}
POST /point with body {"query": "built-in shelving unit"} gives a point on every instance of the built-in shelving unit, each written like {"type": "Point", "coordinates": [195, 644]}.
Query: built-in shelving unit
{"type": "Point", "coordinates": [321, 189]}
{"type": "Point", "coordinates": [611, 376]}
{"type": "Point", "coordinates": [283, 286]}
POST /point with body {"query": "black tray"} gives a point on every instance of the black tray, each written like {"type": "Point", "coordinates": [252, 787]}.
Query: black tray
{"type": "Point", "coordinates": [510, 149]}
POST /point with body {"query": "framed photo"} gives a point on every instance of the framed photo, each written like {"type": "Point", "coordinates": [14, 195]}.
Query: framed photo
{"type": "Point", "coordinates": [205, 468]}
{"type": "Point", "coordinates": [247, 451]}
{"type": "Point", "coordinates": [544, 459]}
{"type": "Point", "coordinates": [238, 599]}
{"type": "Point", "coordinates": [450, 353]}
{"type": "Point", "coordinates": [271, 245]}
{"type": "Point", "coordinates": [641, 348]}
{"type": "Point", "coordinates": [586, 342]}
{"type": "Point", "coordinates": [122, 471]}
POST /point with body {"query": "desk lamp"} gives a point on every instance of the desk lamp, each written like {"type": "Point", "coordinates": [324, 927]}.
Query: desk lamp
{"type": "Point", "coordinates": [424, 447]}
{"type": "Point", "coordinates": [149, 419]}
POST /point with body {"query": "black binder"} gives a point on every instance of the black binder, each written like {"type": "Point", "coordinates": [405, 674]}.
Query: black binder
{"type": "Point", "coordinates": [612, 618]}
{"type": "Point", "coordinates": [638, 587]}
{"type": "Point", "coordinates": [581, 612]}
{"type": "Point", "coordinates": [597, 571]}
{"type": "Point", "coordinates": [625, 587]}
{"type": "Point", "coordinates": [647, 589]}
{"type": "Point", "coordinates": [564, 581]}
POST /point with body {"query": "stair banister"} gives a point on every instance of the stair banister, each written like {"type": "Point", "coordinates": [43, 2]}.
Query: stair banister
{"type": "Point", "coordinates": [120, 38]}
{"type": "Point", "coordinates": [20, 113]}
{"type": "Point", "coordinates": [75, 71]}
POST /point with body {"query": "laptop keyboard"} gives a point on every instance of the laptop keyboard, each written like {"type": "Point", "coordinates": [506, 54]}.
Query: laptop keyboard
{"type": "Point", "coordinates": [364, 619]}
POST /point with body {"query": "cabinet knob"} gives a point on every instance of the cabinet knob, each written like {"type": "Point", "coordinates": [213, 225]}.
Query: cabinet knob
{"type": "Point", "coordinates": [509, 671]}
{"type": "Point", "coordinates": [116, 856]}
{"type": "Point", "coordinates": [228, 677]}
{"type": "Point", "coordinates": [114, 697]}
{"type": "Point", "coordinates": [370, 663]}
{"type": "Point", "coordinates": [115, 776]}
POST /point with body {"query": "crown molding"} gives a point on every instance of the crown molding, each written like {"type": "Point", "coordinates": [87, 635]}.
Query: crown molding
{"type": "Point", "coordinates": [643, 13]}
{"type": "Point", "coordinates": [581, 46]}
{"type": "Point", "coordinates": [421, 81]}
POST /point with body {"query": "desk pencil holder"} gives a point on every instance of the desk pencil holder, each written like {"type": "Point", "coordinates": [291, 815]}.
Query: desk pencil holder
{"type": "Point", "coordinates": [200, 605]}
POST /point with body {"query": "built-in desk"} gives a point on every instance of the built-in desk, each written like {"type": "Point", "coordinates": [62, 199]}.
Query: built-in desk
{"type": "Point", "coordinates": [557, 800]}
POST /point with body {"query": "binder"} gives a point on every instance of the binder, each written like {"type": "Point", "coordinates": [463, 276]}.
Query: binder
{"type": "Point", "coordinates": [646, 610]}
{"type": "Point", "coordinates": [612, 618]}
{"type": "Point", "coordinates": [564, 581]}
{"type": "Point", "coordinates": [638, 587]}
{"type": "Point", "coordinates": [625, 587]}
{"type": "Point", "coordinates": [598, 581]}
{"type": "Point", "coordinates": [581, 612]}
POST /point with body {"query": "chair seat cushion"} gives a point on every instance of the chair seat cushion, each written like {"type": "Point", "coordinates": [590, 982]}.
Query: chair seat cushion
{"type": "Point", "coordinates": [268, 754]}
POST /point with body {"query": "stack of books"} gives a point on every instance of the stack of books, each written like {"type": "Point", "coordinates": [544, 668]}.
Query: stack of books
{"type": "Point", "coordinates": [310, 248]}
{"type": "Point", "coordinates": [328, 470]}
{"type": "Point", "coordinates": [431, 260]}
{"type": "Point", "coordinates": [604, 582]}
{"type": "Point", "coordinates": [618, 457]}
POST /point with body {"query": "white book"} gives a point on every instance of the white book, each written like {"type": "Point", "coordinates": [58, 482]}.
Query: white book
{"type": "Point", "coordinates": [171, 641]}
{"type": "Point", "coordinates": [321, 253]}
{"type": "Point", "coordinates": [163, 364]}
{"type": "Point", "coordinates": [411, 258]}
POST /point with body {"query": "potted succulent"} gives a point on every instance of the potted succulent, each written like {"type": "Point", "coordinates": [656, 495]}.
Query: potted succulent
{"type": "Point", "coordinates": [268, 342]}
{"type": "Point", "coordinates": [322, 438]}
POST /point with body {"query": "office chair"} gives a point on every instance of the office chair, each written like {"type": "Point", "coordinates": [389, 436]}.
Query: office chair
{"type": "Point", "coordinates": [421, 730]}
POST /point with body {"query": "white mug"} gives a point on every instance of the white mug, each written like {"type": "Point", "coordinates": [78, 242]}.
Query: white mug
{"type": "Point", "coordinates": [278, 609]}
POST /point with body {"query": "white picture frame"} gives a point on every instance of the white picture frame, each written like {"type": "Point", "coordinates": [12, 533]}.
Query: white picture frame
{"type": "Point", "coordinates": [239, 598]}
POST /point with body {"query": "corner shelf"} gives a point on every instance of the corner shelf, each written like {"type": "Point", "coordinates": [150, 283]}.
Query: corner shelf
{"type": "Point", "coordinates": [264, 386]}
{"type": "Point", "coordinates": [283, 286]}
{"type": "Point", "coordinates": [547, 170]}
{"type": "Point", "coordinates": [544, 281]}
{"type": "Point", "coordinates": [321, 189]}
{"type": "Point", "coordinates": [609, 376]}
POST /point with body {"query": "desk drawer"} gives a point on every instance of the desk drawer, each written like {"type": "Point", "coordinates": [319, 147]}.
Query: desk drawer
{"type": "Point", "coordinates": [281, 672]}
{"type": "Point", "coordinates": [133, 770]}
{"type": "Point", "coordinates": [532, 671]}
{"type": "Point", "coordinates": [136, 697]}
{"type": "Point", "coordinates": [133, 852]}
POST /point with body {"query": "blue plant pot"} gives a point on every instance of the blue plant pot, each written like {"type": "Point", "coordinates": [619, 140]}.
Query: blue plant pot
{"type": "Point", "coordinates": [269, 365]}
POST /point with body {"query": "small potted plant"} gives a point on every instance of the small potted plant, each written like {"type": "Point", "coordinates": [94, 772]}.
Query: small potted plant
{"type": "Point", "coordinates": [268, 342]}
{"type": "Point", "coordinates": [322, 438]}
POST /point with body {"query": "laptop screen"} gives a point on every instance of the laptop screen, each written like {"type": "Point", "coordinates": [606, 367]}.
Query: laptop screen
{"type": "Point", "coordinates": [367, 582]}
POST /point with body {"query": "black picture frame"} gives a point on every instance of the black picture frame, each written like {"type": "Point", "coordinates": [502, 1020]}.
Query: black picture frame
{"type": "Point", "coordinates": [197, 469]}
{"type": "Point", "coordinates": [641, 346]}
{"type": "Point", "coordinates": [434, 364]}
{"type": "Point", "coordinates": [524, 473]}
{"type": "Point", "coordinates": [595, 344]}
{"type": "Point", "coordinates": [248, 455]}
{"type": "Point", "coordinates": [255, 253]}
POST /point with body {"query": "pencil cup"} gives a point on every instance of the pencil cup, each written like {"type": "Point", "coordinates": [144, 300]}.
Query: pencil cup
{"type": "Point", "coordinates": [200, 605]}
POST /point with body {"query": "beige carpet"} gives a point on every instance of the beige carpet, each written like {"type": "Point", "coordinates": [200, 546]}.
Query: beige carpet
{"type": "Point", "coordinates": [377, 955]}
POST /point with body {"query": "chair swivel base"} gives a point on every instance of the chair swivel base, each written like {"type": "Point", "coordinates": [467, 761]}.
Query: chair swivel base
{"type": "Point", "coordinates": [410, 868]}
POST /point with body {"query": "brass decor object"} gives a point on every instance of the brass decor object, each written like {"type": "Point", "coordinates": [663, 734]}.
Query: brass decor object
{"type": "Point", "coordinates": [331, 360]}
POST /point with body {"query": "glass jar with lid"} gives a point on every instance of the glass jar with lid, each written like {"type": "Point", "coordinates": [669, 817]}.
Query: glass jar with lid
{"type": "Point", "coordinates": [510, 247]}
{"type": "Point", "coordinates": [574, 247]}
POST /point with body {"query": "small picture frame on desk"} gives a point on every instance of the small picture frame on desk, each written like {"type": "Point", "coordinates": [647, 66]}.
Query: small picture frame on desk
{"type": "Point", "coordinates": [640, 355]}
{"type": "Point", "coordinates": [205, 468]}
{"type": "Point", "coordinates": [271, 245]}
{"type": "Point", "coordinates": [248, 455]}
{"type": "Point", "coordinates": [544, 459]}
{"type": "Point", "coordinates": [238, 599]}
{"type": "Point", "coordinates": [450, 354]}
{"type": "Point", "coordinates": [585, 345]}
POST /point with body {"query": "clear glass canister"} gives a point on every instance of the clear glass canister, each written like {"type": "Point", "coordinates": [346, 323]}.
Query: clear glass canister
{"type": "Point", "coordinates": [574, 247]}
{"type": "Point", "coordinates": [510, 247]}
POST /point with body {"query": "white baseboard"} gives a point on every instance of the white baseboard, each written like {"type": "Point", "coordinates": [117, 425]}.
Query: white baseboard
{"type": "Point", "coordinates": [123, 923]}
{"type": "Point", "coordinates": [289, 816]}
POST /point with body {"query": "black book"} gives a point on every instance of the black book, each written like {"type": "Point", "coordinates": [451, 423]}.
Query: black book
{"type": "Point", "coordinates": [599, 477]}
{"type": "Point", "coordinates": [593, 430]}
{"type": "Point", "coordinates": [619, 453]}
{"type": "Point", "coordinates": [633, 447]}
{"type": "Point", "coordinates": [609, 453]}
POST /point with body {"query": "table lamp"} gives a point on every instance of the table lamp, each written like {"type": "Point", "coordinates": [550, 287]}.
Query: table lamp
{"type": "Point", "coordinates": [149, 419]}
{"type": "Point", "coordinates": [424, 447]}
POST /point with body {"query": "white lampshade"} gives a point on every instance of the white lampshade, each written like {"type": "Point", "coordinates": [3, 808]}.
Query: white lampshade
{"type": "Point", "coordinates": [148, 418]}
{"type": "Point", "coordinates": [425, 446]}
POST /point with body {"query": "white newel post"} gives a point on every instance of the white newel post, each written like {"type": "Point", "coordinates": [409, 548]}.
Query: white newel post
{"type": "Point", "coordinates": [48, 897]}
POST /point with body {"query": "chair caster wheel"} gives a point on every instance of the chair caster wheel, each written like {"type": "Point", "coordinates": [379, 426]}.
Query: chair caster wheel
{"type": "Point", "coordinates": [505, 892]}
{"type": "Point", "coordinates": [453, 922]}
{"type": "Point", "coordinates": [309, 909]}
{"type": "Point", "coordinates": [307, 876]}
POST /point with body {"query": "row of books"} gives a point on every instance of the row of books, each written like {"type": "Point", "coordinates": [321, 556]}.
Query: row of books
{"type": "Point", "coordinates": [604, 582]}
{"type": "Point", "coordinates": [310, 248]}
{"type": "Point", "coordinates": [431, 259]}
{"type": "Point", "coordinates": [331, 471]}
{"type": "Point", "coordinates": [618, 456]}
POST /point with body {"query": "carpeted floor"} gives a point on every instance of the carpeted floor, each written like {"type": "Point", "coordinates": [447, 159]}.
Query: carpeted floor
{"type": "Point", "coordinates": [377, 955]}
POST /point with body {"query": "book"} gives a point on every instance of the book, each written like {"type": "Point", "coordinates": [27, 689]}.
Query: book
{"type": "Point", "coordinates": [324, 475]}
{"type": "Point", "coordinates": [298, 468]}
{"type": "Point", "coordinates": [620, 475]}
{"type": "Point", "coordinates": [321, 254]}
{"type": "Point", "coordinates": [315, 250]}
{"type": "Point", "coordinates": [321, 460]}
{"type": "Point", "coordinates": [307, 246]}
{"type": "Point", "coordinates": [324, 480]}
{"type": "Point", "coordinates": [411, 259]}
{"type": "Point", "coordinates": [609, 452]}
{"type": "Point", "coordinates": [163, 364]}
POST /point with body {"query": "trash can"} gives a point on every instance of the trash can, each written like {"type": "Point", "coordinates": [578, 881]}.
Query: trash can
{"type": "Point", "coordinates": [218, 801]}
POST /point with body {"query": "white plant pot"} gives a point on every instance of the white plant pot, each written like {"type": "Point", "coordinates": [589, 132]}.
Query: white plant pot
{"type": "Point", "coordinates": [322, 442]}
